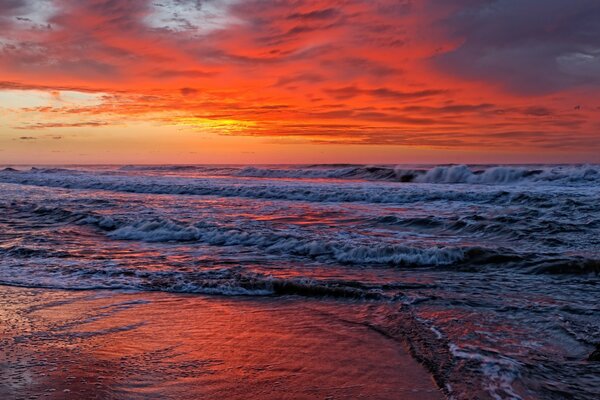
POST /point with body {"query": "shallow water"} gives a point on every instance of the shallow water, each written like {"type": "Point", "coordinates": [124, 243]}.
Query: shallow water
{"type": "Point", "coordinates": [152, 345]}
{"type": "Point", "coordinates": [489, 273]}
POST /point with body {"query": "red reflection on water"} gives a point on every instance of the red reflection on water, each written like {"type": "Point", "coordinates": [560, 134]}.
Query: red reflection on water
{"type": "Point", "coordinates": [164, 346]}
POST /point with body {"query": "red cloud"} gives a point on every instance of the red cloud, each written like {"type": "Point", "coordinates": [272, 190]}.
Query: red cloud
{"type": "Point", "coordinates": [359, 72]}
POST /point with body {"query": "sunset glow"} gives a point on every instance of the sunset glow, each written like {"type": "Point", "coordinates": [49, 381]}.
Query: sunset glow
{"type": "Point", "coordinates": [300, 199]}
{"type": "Point", "coordinates": [182, 81]}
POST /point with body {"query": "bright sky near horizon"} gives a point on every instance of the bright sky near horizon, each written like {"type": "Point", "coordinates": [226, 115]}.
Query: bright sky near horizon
{"type": "Point", "coordinates": [270, 81]}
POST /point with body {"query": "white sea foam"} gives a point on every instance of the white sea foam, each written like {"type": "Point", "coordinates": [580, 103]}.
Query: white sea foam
{"type": "Point", "coordinates": [441, 174]}
{"type": "Point", "coordinates": [499, 371]}
{"type": "Point", "coordinates": [291, 244]}
{"type": "Point", "coordinates": [451, 174]}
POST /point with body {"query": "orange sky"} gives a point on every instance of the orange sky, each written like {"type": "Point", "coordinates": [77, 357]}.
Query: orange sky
{"type": "Point", "coordinates": [192, 81]}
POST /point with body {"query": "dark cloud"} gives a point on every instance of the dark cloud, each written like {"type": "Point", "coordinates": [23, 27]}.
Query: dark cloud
{"type": "Point", "coordinates": [188, 73]}
{"type": "Point", "coordinates": [298, 32]}
{"type": "Point", "coordinates": [168, 3]}
{"type": "Point", "coordinates": [350, 67]}
{"type": "Point", "coordinates": [11, 7]}
{"type": "Point", "coordinates": [124, 14]}
{"type": "Point", "coordinates": [188, 91]}
{"type": "Point", "coordinates": [10, 12]}
{"type": "Point", "coordinates": [348, 92]}
{"type": "Point", "coordinates": [7, 85]}
{"type": "Point", "coordinates": [307, 77]}
{"type": "Point", "coordinates": [450, 109]}
{"type": "Point", "coordinates": [326, 13]}
{"type": "Point", "coordinates": [47, 125]}
{"type": "Point", "coordinates": [528, 46]}
{"type": "Point", "coordinates": [396, 8]}
{"type": "Point", "coordinates": [538, 111]}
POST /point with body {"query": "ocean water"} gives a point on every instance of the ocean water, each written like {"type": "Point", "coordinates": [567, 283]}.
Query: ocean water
{"type": "Point", "coordinates": [490, 274]}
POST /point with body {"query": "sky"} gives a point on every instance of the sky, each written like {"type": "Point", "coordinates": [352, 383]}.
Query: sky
{"type": "Point", "coordinates": [321, 81]}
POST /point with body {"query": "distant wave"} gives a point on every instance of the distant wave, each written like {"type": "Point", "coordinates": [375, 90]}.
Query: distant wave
{"type": "Point", "coordinates": [175, 168]}
{"type": "Point", "coordinates": [440, 174]}
{"type": "Point", "coordinates": [447, 174]}
{"type": "Point", "coordinates": [289, 190]}
{"type": "Point", "coordinates": [159, 167]}
{"type": "Point", "coordinates": [184, 170]}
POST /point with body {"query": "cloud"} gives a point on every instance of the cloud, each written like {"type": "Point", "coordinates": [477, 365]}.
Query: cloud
{"type": "Point", "coordinates": [423, 72]}
{"type": "Point", "coordinates": [349, 92]}
{"type": "Point", "coordinates": [325, 13]}
{"type": "Point", "coordinates": [526, 47]}
{"type": "Point", "coordinates": [303, 77]}
{"type": "Point", "coordinates": [11, 7]}
{"type": "Point", "coordinates": [450, 109]}
{"type": "Point", "coordinates": [353, 66]}
{"type": "Point", "coordinates": [13, 13]}
{"type": "Point", "coordinates": [188, 91]}
{"type": "Point", "coordinates": [189, 73]}
{"type": "Point", "coordinates": [48, 125]}
{"type": "Point", "coordinates": [49, 87]}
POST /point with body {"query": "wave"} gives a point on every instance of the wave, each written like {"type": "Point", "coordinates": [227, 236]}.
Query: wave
{"type": "Point", "coordinates": [183, 170]}
{"type": "Point", "coordinates": [339, 247]}
{"type": "Point", "coordinates": [440, 174]}
{"type": "Point", "coordinates": [53, 170]}
{"type": "Point", "coordinates": [566, 266]}
{"type": "Point", "coordinates": [355, 250]}
{"type": "Point", "coordinates": [528, 225]}
{"type": "Point", "coordinates": [282, 243]}
{"type": "Point", "coordinates": [503, 175]}
{"type": "Point", "coordinates": [359, 250]}
{"type": "Point", "coordinates": [160, 168]}
{"type": "Point", "coordinates": [443, 174]}
{"type": "Point", "coordinates": [31, 252]}
{"type": "Point", "coordinates": [226, 281]}
{"type": "Point", "coordinates": [293, 191]}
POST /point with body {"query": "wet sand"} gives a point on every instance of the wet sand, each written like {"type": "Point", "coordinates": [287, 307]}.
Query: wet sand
{"type": "Point", "coordinates": [107, 345]}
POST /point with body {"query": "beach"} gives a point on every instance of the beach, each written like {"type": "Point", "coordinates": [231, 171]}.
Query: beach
{"type": "Point", "coordinates": [72, 345]}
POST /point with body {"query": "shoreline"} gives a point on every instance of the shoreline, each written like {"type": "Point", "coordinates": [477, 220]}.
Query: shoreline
{"type": "Point", "coordinates": [103, 344]}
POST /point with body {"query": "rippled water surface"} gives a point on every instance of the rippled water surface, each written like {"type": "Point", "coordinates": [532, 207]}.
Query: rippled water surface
{"type": "Point", "coordinates": [489, 273]}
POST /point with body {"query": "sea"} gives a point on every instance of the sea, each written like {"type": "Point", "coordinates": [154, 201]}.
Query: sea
{"type": "Point", "coordinates": [488, 273]}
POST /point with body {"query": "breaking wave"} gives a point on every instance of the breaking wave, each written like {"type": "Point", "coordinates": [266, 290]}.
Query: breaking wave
{"type": "Point", "coordinates": [448, 174]}
{"type": "Point", "coordinates": [356, 249]}
{"type": "Point", "coordinates": [440, 174]}
{"type": "Point", "coordinates": [340, 251]}
{"type": "Point", "coordinates": [293, 191]}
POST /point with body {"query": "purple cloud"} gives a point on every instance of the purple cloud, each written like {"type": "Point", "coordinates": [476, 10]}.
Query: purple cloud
{"type": "Point", "coordinates": [527, 46]}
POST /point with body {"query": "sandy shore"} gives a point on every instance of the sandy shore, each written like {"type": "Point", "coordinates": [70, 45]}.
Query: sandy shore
{"type": "Point", "coordinates": [107, 345]}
